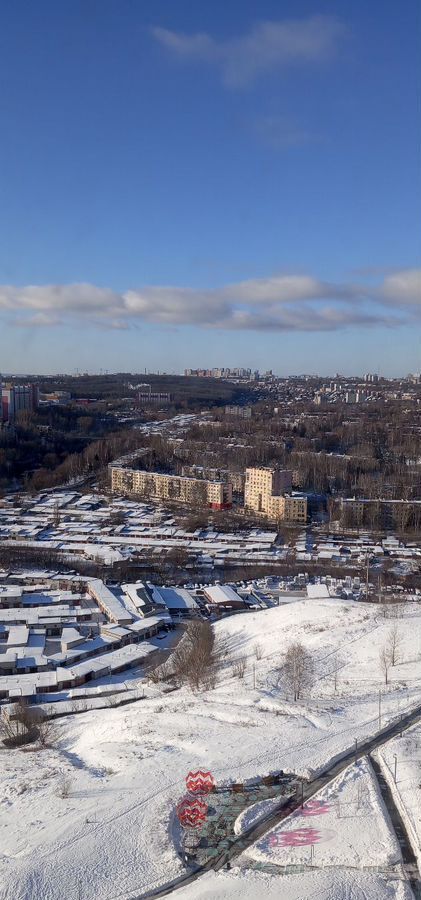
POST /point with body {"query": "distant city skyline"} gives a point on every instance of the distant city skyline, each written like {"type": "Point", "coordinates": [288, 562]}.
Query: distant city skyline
{"type": "Point", "coordinates": [164, 373]}
{"type": "Point", "coordinates": [188, 185]}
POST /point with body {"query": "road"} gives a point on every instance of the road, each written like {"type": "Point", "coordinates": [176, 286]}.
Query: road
{"type": "Point", "coordinates": [408, 855]}
{"type": "Point", "coordinates": [332, 770]}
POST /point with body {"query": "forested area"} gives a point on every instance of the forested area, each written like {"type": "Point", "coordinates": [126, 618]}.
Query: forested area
{"type": "Point", "coordinates": [375, 453]}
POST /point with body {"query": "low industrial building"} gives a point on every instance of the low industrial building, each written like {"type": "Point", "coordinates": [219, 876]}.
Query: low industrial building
{"type": "Point", "coordinates": [52, 647]}
{"type": "Point", "coordinates": [223, 596]}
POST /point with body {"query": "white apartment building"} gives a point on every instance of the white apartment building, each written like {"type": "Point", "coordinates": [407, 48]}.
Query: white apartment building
{"type": "Point", "coordinates": [177, 488]}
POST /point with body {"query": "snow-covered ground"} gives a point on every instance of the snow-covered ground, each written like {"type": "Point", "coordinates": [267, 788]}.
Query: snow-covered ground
{"type": "Point", "coordinates": [324, 885]}
{"type": "Point", "coordinates": [345, 824]}
{"type": "Point", "coordinates": [253, 814]}
{"type": "Point", "coordinates": [344, 640]}
{"type": "Point", "coordinates": [111, 836]}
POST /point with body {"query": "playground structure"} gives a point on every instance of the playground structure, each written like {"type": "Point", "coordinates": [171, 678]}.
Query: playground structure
{"type": "Point", "coordinates": [208, 824]}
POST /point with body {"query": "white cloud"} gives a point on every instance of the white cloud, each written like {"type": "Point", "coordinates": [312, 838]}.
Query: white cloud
{"type": "Point", "coordinates": [283, 303]}
{"type": "Point", "coordinates": [267, 46]}
{"type": "Point", "coordinates": [82, 297]}
{"type": "Point", "coordinates": [287, 289]}
{"type": "Point", "coordinates": [403, 288]}
{"type": "Point", "coordinates": [170, 305]}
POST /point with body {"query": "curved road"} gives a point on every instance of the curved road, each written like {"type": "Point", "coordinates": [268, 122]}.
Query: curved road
{"type": "Point", "coordinates": [241, 843]}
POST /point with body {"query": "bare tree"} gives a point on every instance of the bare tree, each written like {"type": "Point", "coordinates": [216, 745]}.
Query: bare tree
{"type": "Point", "coordinates": [384, 661]}
{"type": "Point", "coordinates": [239, 667]}
{"type": "Point", "coordinates": [297, 669]}
{"type": "Point", "coordinates": [197, 657]}
{"type": "Point", "coordinates": [18, 724]}
{"type": "Point", "coordinates": [198, 494]}
{"type": "Point", "coordinates": [111, 700]}
{"type": "Point", "coordinates": [48, 731]}
{"type": "Point", "coordinates": [394, 641]}
{"type": "Point", "coordinates": [258, 651]}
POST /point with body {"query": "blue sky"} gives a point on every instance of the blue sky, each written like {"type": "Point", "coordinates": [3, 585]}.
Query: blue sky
{"type": "Point", "coordinates": [210, 184]}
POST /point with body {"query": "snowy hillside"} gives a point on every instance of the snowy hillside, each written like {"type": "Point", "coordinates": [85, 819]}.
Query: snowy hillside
{"type": "Point", "coordinates": [112, 835]}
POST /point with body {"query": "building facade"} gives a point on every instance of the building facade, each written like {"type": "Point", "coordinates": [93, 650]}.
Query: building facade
{"type": "Point", "coordinates": [176, 488]}
{"type": "Point", "coordinates": [267, 492]}
{"type": "Point", "coordinates": [154, 398]}
{"type": "Point", "coordinates": [288, 508]}
{"type": "Point", "coordinates": [238, 412]}
{"type": "Point", "coordinates": [16, 398]}
{"type": "Point", "coordinates": [262, 483]}
{"type": "Point", "coordinates": [237, 479]}
{"type": "Point", "coordinates": [380, 513]}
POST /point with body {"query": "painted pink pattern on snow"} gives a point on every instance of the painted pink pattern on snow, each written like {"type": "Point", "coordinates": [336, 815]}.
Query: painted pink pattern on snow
{"type": "Point", "coordinates": [301, 837]}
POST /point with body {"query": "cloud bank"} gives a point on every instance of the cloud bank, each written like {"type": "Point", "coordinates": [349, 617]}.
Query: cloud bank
{"type": "Point", "coordinates": [281, 303]}
{"type": "Point", "coordinates": [266, 47]}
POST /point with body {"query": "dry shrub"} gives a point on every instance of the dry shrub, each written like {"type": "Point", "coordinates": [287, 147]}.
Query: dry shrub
{"type": "Point", "coordinates": [64, 785]}
{"type": "Point", "coordinates": [48, 730]}
{"type": "Point", "coordinates": [18, 724]}
{"type": "Point", "coordinates": [239, 667]}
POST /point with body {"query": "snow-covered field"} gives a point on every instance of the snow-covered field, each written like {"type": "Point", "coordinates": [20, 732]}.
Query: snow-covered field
{"type": "Point", "coordinates": [111, 836]}
{"type": "Point", "coordinates": [323, 885]}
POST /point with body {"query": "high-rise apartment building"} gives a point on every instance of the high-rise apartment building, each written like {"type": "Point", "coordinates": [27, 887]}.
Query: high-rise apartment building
{"type": "Point", "coordinates": [266, 492]}
{"type": "Point", "coordinates": [239, 412]}
{"type": "Point", "coordinates": [372, 378]}
{"type": "Point", "coordinates": [17, 397]}
{"type": "Point", "coordinates": [262, 484]}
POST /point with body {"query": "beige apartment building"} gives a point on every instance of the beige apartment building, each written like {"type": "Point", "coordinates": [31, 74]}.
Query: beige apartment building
{"type": "Point", "coordinates": [262, 484]}
{"type": "Point", "coordinates": [177, 488]}
{"type": "Point", "coordinates": [288, 509]}
{"type": "Point", "coordinates": [266, 492]}
{"type": "Point", "coordinates": [389, 514]}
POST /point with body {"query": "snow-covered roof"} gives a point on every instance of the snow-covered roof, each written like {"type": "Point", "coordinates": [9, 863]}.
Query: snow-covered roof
{"type": "Point", "coordinates": [318, 592]}
{"type": "Point", "coordinates": [175, 598]}
{"type": "Point", "coordinates": [112, 606]}
{"type": "Point", "coordinates": [109, 662]}
{"type": "Point", "coordinates": [18, 636]}
{"type": "Point", "coordinates": [222, 593]}
{"type": "Point", "coordinates": [70, 636]}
